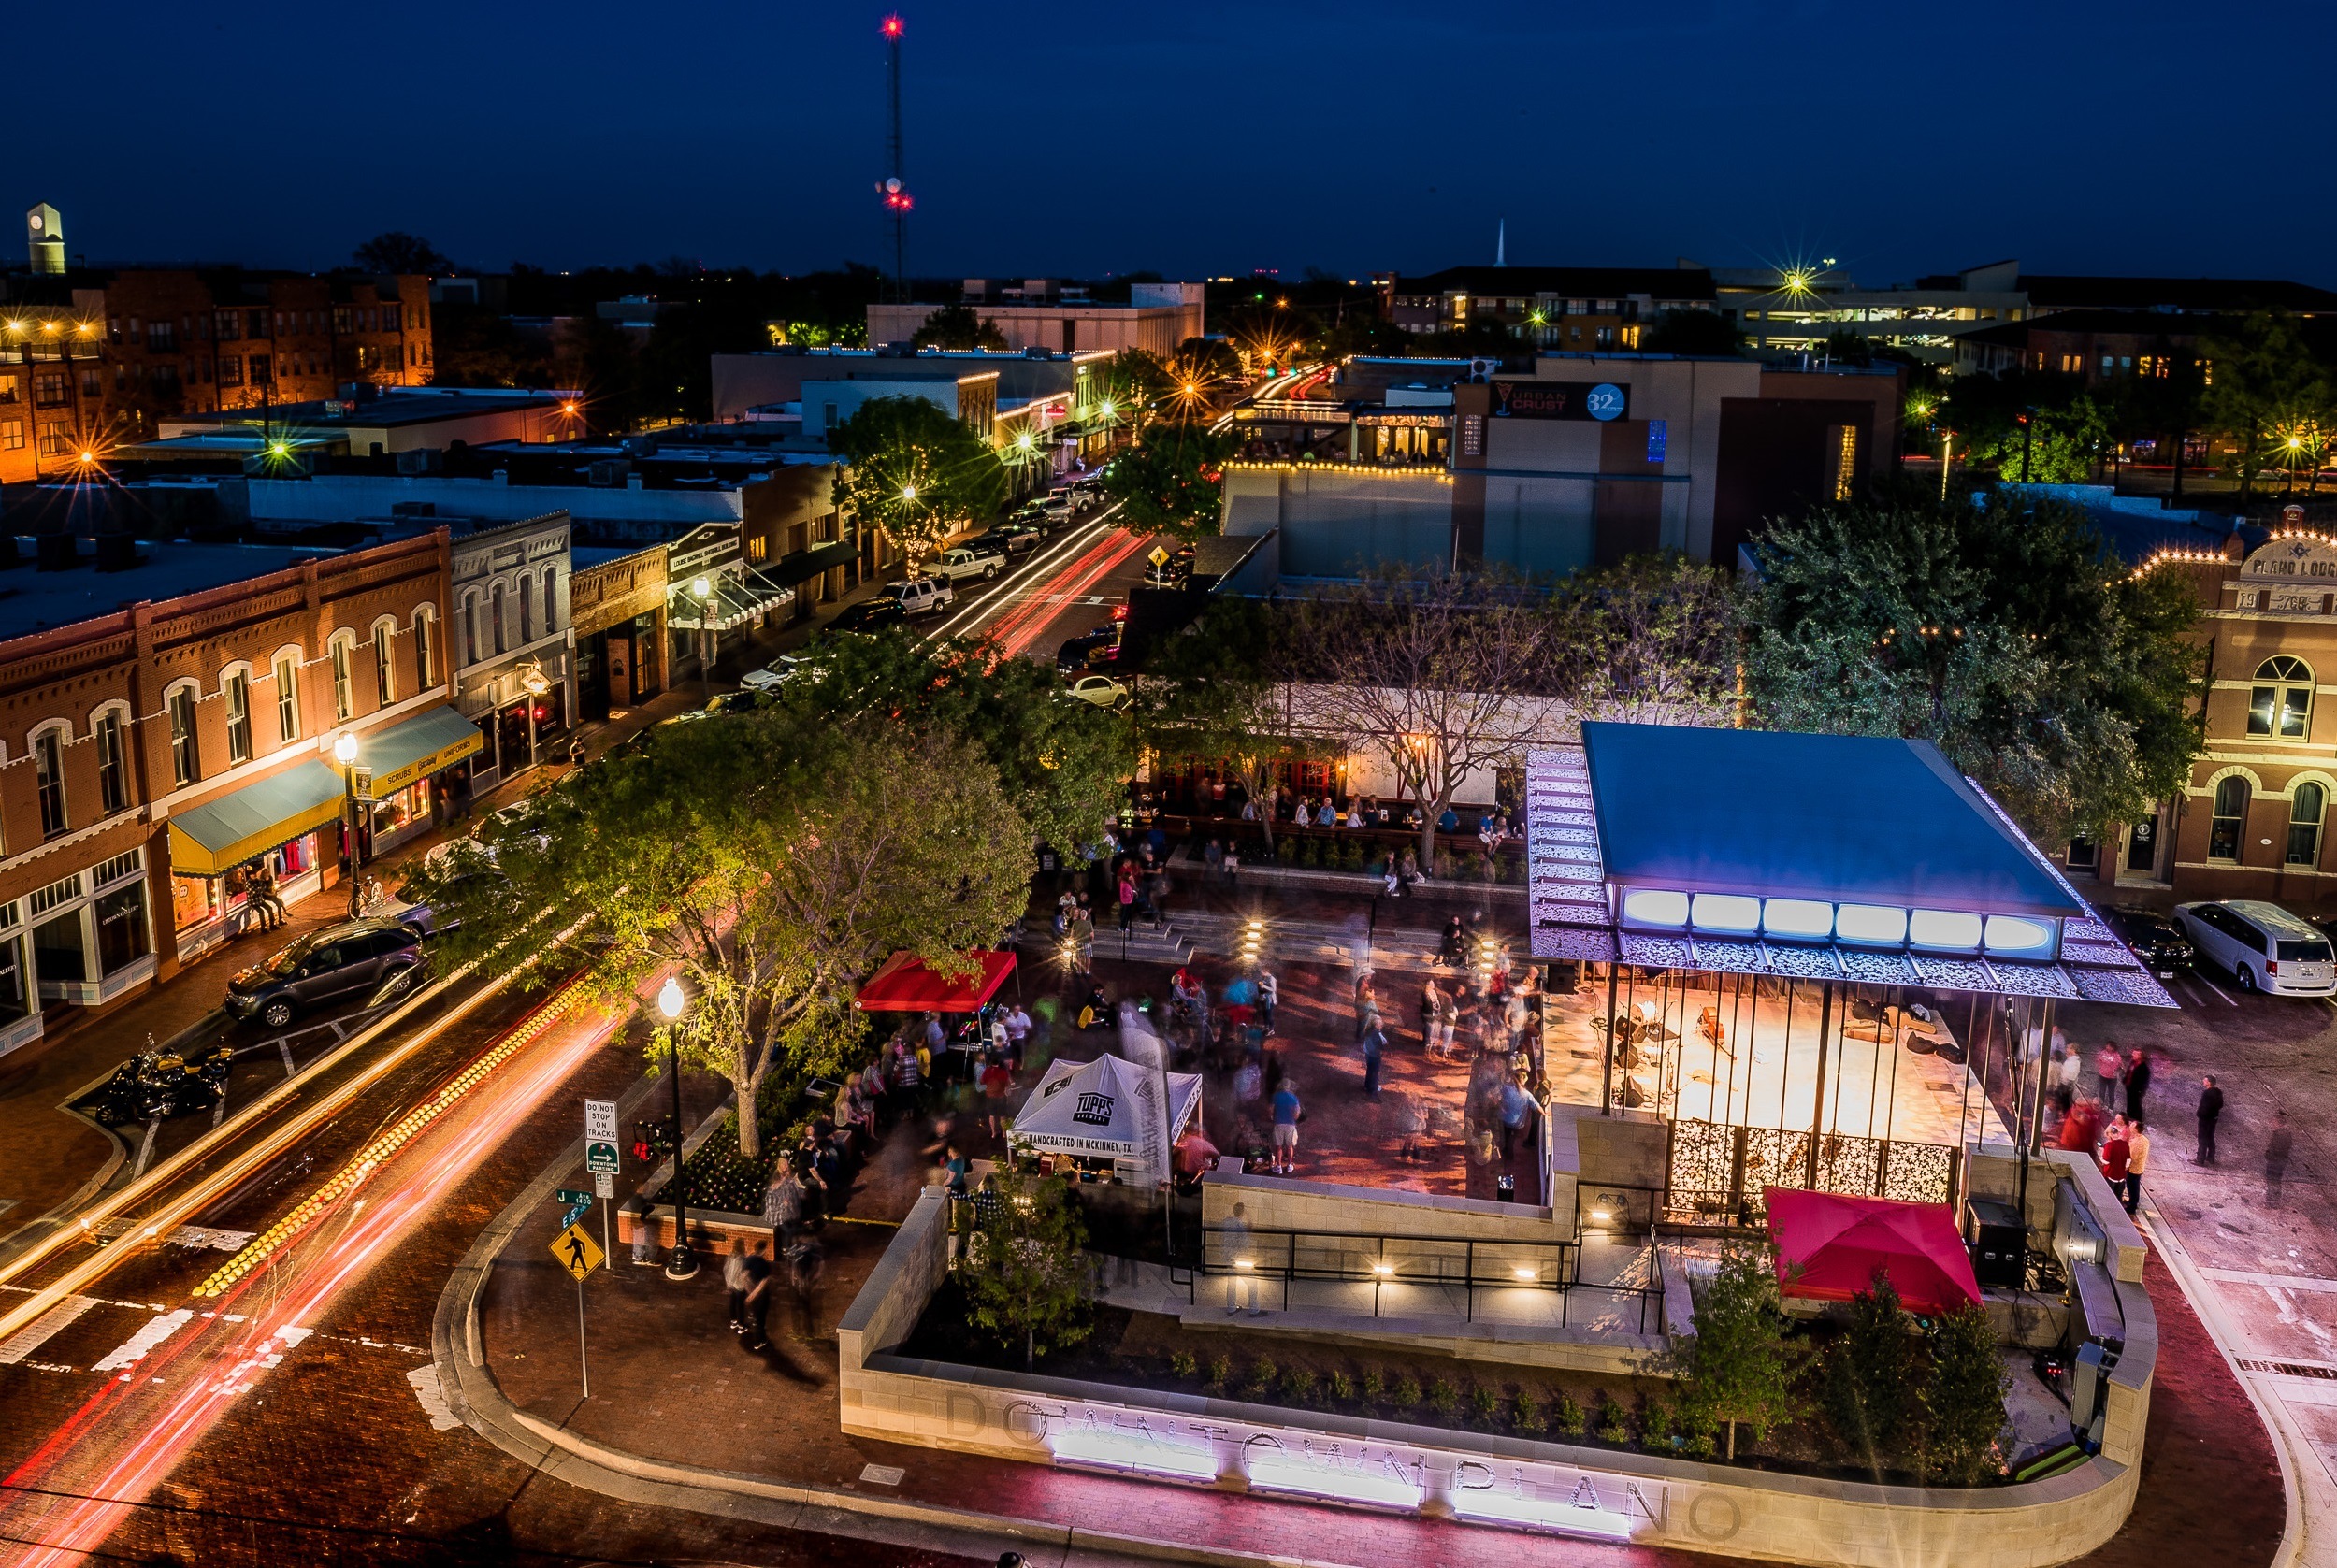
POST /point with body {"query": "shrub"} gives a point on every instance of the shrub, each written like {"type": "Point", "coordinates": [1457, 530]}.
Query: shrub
{"type": "Point", "coordinates": [1220, 1371]}
{"type": "Point", "coordinates": [1867, 1382]}
{"type": "Point", "coordinates": [1614, 1426]}
{"type": "Point", "coordinates": [1525, 1414]}
{"type": "Point", "coordinates": [1351, 857]}
{"type": "Point", "coordinates": [1444, 1399]}
{"type": "Point", "coordinates": [1965, 1398]}
{"type": "Point", "coordinates": [1298, 1386]}
{"type": "Point", "coordinates": [1183, 1363]}
{"type": "Point", "coordinates": [1568, 1416]}
{"type": "Point", "coordinates": [1375, 1385]}
{"type": "Point", "coordinates": [1340, 1387]}
{"type": "Point", "coordinates": [1405, 1392]}
{"type": "Point", "coordinates": [1286, 851]}
{"type": "Point", "coordinates": [1485, 1400]}
{"type": "Point", "coordinates": [1262, 1375]}
{"type": "Point", "coordinates": [1027, 1282]}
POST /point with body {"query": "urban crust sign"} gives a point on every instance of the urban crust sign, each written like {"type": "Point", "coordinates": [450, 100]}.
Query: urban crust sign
{"type": "Point", "coordinates": [1594, 400]}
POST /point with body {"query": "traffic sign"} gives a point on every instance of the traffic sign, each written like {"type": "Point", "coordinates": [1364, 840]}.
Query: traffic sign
{"type": "Point", "coordinates": [1159, 556]}
{"type": "Point", "coordinates": [604, 1186]}
{"type": "Point", "coordinates": [600, 1158]}
{"type": "Point", "coordinates": [577, 1253]}
{"type": "Point", "coordinates": [574, 1198]}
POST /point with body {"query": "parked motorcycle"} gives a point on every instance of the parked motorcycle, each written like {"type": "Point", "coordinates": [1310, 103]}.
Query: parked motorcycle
{"type": "Point", "coordinates": [161, 1083]}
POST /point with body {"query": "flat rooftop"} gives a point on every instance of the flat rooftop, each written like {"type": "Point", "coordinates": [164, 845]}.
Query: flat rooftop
{"type": "Point", "coordinates": [32, 600]}
{"type": "Point", "coordinates": [403, 405]}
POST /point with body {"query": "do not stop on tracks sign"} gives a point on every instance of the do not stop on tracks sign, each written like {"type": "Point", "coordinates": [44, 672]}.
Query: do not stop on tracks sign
{"type": "Point", "coordinates": [601, 1137]}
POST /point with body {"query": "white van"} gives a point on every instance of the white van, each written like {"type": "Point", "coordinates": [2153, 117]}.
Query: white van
{"type": "Point", "coordinates": [922, 596]}
{"type": "Point", "coordinates": [2263, 945]}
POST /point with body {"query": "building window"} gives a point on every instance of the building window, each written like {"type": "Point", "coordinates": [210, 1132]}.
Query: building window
{"type": "Point", "coordinates": [230, 369]}
{"type": "Point", "coordinates": [470, 629]}
{"type": "Point", "coordinates": [551, 600]}
{"type": "Point", "coordinates": [235, 687]}
{"type": "Point", "coordinates": [2084, 855]}
{"type": "Point", "coordinates": [2306, 804]}
{"type": "Point", "coordinates": [2228, 828]}
{"type": "Point", "coordinates": [288, 696]}
{"type": "Point", "coordinates": [344, 694]}
{"type": "Point", "coordinates": [2281, 706]}
{"type": "Point", "coordinates": [49, 776]}
{"type": "Point", "coordinates": [425, 649]}
{"type": "Point", "coordinates": [502, 638]}
{"type": "Point", "coordinates": [183, 761]}
{"type": "Point", "coordinates": [12, 435]}
{"type": "Point", "coordinates": [113, 782]}
{"type": "Point", "coordinates": [526, 610]}
{"type": "Point", "coordinates": [385, 678]}
{"type": "Point", "coordinates": [1845, 461]}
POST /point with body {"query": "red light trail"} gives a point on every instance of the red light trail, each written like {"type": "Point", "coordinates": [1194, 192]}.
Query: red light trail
{"type": "Point", "coordinates": [120, 1448]}
{"type": "Point", "coordinates": [1020, 626]}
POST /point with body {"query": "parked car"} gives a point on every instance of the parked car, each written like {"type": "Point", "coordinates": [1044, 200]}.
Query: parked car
{"type": "Point", "coordinates": [871, 614]}
{"type": "Point", "coordinates": [1012, 536]}
{"type": "Point", "coordinates": [2156, 940]}
{"type": "Point", "coordinates": [1075, 651]}
{"type": "Point", "coordinates": [1101, 690]}
{"type": "Point", "coordinates": [921, 595]}
{"type": "Point", "coordinates": [2263, 945]}
{"type": "Point", "coordinates": [1059, 505]}
{"type": "Point", "coordinates": [738, 701]}
{"type": "Point", "coordinates": [778, 673]}
{"type": "Point", "coordinates": [970, 560]}
{"type": "Point", "coordinates": [375, 956]}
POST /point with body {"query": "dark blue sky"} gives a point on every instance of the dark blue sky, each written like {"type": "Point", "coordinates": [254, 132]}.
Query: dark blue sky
{"type": "Point", "coordinates": [1194, 139]}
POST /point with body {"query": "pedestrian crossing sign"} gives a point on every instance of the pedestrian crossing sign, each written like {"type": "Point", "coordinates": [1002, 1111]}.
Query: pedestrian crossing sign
{"type": "Point", "coordinates": [1159, 557]}
{"type": "Point", "coordinates": [577, 1253]}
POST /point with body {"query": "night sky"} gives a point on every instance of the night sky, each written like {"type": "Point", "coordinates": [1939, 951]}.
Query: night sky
{"type": "Point", "coordinates": [1194, 139]}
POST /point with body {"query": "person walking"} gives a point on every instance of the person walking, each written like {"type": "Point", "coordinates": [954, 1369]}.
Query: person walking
{"type": "Point", "coordinates": [2116, 1152]}
{"type": "Point", "coordinates": [1287, 1110]}
{"type": "Point", "coordinates": [1232, 864]}
{"type": "Point", "coordinates": [2276, 1159]}
{"type": "Point", "coordinates": [1412, 1121]}
{"type": "Point", "coordinates": [1269, 992]}
{"type": "Point", "coordinates": [576, 752]}
{"type": "Point", "coordinates": [2211, 1109]}
{"type": "Point", "coordinates": [2137, 1082]}
{"type": "Point", "coordinates": [1516, 1109]}
{"type": "Point", "coordinates": [1374, 1043]}
{"type": "Point", "coordinates": [757, 1301]}
{"type": "Point", "coordinates": [2107, 1065]}
{"type": "Point", "coordinates": [806, 1267]}
{"type": "Point", "coordinates": [734, 1280]}
{"type": "Point", "coordinates": [1242, 1282]}
{"type": "Point", "coordinates": [2137, 1157]}
{"type": "Point", "coordinates": [782, 1209]}
{"type": "Point", "coordinates": [1127, 896]}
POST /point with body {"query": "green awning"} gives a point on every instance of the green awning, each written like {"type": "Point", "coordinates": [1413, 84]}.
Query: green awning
{"type": "Point", "coordinates": [790, 570]}
{"type": "Point", "coordinates": [415, 748]}
{"type": "Point", "coordinates": [207, 839]}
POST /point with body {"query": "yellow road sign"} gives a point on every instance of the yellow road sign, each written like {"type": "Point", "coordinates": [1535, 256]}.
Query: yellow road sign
{"type": "Point", "coordinates": [1159, 557]}
{"type": "Point", "coordinates": [577, 1253]}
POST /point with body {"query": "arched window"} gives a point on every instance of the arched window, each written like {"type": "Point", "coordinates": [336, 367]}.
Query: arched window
{"type": "Point", "coordinates": [186, 765]}
{"type": "Point", "coordinates": [426, 647]}
{"type": "Point", "coordinates": [288, 696]}
{"type": "Point", "coordinates": [551, 600]}
{"type": "Point", "coordinates": [344, 645]}
{"type": "Point", "coordinates": [48, 779]}
{"type": "Point", "coordinates": [470, 630]}
{"type": "Point", "coordinates": [526, 610]}
{"type": "Point", "coordinates": [502, 638]}
{"type": "Point", "coordinates": [113, 770]}
{"type": "Point", "coordinates": [2281, 706]}
{"type": "Point", "coordinates": [2227, 830]}
{"type": "Point", "coordinates": [235, 688]}
{"type": "Point", "coordinates": [384, 676]}
{"type": "Point", "coordinates": [2307, 803]}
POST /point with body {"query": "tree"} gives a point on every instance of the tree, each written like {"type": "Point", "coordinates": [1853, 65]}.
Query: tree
{"type": "Point", "coordinates": [1869, 1382]}
{"type": "Point", "coordinates": [1025, 1274]}
{"type": "Point", "coordinates": [1738, 1369]}
{"type": "Point", "coordinates": [1214, 691]}
{"type": "Point", "coordinates": [2267, 381]}
{"type": "Point", "coordinates": [1445, 674]}
{"type": "Point", "coordinates": [1964, 1399]}
{"type": "Point", "coordinates": [1652, 639]}
{"type": "Point", "coordinates": [916, 472]}
{"type": "Point", "coordinates": [398, 252]}
{"type": "Point", "coordinates": [956, 327]}
{"type": "Point", "coordinates": [772, 859]}
{"type": "Point", "coordinates": [1693, 332]}
{"type": "Point", "coordinates": [2004, 631]}
{"type": "Point", "coordinates": [2046, 445]}
{"type": "Point", "coordinates": [1171, 481]}
{"type": "Point", "coordinates": [1132, 380]}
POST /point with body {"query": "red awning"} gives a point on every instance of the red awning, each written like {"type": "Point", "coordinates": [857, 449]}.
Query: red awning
{"type": "Point", "coordinates": [905, 984]}
{"type": "Point", "coordinates": [1828, 1247]}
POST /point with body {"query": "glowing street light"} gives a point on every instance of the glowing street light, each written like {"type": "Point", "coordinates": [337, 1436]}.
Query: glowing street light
{"type": "Point", "coordinates": [908, 492]}
{"type": "Point", "coordinates": [345, 753]}
{"type": "Point", "coordinates": [680, 1263]}
{"type": "Point", "coordinates": [669, 998]}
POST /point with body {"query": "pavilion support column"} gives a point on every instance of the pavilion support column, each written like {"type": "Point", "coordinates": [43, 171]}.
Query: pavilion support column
{"type": "Point", "coordinates": [2036, 1091]}
{"type": "Point", "coordinates": [1817, 1087]}
{"type": "Point", "coordinates": [1607, 1086]}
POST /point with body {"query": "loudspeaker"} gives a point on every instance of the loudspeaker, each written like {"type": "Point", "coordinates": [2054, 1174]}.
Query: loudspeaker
{"type": "Point", "coordinates": [1999, 1243]}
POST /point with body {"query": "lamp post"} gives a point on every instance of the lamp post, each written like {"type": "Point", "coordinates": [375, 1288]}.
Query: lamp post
{"type": "Point", "coordinates": [680, 1263]}
{"type": "Point", "coordinates": [345, 753]}
{"type": "Point", "coordinates": [704, 588]}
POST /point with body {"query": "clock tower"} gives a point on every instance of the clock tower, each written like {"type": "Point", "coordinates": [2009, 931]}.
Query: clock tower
{"type": "Point", "coordinates": [44, 235]}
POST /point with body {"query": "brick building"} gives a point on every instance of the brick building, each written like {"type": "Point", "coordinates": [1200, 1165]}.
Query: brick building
{"type": "Point", "coordinates": [148, 753]}
{"type": "Point", "coordinates": [92, 360]}
{"type": "Point", "coordinates": [617, 604]}
{"type": "Point", "coordinates": [1579, 309]}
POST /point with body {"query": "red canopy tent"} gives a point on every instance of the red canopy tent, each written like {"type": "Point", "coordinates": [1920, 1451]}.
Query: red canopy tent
{"type": "Point", "coordinates": [1829, 1244]}
{"type": "Point", "coordinates": [905, 984]}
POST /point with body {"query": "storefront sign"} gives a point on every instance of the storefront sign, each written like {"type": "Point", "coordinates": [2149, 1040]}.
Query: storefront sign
{"type": "Point", "coordinates": [1592, 400]}
{"type": "Point", "coordinates": [2294, 560]}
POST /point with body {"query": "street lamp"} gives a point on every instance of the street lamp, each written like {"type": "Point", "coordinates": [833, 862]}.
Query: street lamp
{"type": "Point", "coordinates": [680, 1263]}
{"type": "Point", "coordinates": [703, 589]}
{"type": "Point", "coordinates": [345, 753]}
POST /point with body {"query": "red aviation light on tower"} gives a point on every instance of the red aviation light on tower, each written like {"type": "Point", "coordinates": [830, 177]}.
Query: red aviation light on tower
{"type": "Point", "coordinates": [892, 27]}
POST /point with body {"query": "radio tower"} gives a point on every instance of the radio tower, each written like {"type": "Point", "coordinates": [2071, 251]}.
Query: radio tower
{"type": "Point", "coordinates": [894, 190]}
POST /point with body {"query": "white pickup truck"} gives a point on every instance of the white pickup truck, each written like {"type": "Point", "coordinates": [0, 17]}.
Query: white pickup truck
{"type": "Point", "coordinates": [961, 563]}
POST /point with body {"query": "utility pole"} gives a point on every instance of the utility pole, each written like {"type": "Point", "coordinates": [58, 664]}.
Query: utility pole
{"type": "Point", "coordinates": [895, 186]}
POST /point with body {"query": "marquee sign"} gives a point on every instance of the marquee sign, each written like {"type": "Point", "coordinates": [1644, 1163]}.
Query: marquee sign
{"type": "Point", "coordinates": [2294, 560]}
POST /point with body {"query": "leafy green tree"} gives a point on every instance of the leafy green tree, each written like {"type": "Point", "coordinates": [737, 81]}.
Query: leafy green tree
{"type": "Point", "coordinates": [2058, 445]}
{"type": "Point", "coordinates": [957, 327]}
{"type": "Point", "coordinates": [1738, 1368]}
{"type": "Point", "coordinates": [2266, 383]}
{"type": "Point", "coordinates": [398, 252]}
{"type": "Point", "coordinates": [773, 859]}
{"type": "Point", "coordinates": [1650, 639]}
{"type": "Point", "coordinates": [1132, 380]}
{"type": "Point", "coordinates": [1870, 1384]}
{"type": "Point", "coordinates": [1693, 332]}
{"type": "Point", "coordinates": [2005, 631]}
{"type": "Point", "coordinates": [1025, 1274]}
{"type": "Point", "coordinates": [1063, 766]}
{"type": "Point", "coordinates": [1171, 481]}
{"type": "Point", "coordinates": [1964, 1397]}
{"type": "Point", "coordinates": [1212, 691]}
{"type": "Point", "coordinates": [916, 472]}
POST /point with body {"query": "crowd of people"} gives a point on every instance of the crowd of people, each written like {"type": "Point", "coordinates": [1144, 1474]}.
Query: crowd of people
{"type": "Point", "coordinates": [2100, 1100]}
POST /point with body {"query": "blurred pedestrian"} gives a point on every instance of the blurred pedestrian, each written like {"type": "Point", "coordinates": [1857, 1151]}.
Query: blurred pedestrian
{"type": "Point", "coordinates": [1374, 1043]}
{"type": "Point", "coordinates": [2137, 1156]}
{"type": "Point", "coordinates": [1287, 1110]}
{"type": "Point", "coordinates": [2276, 1159]}
{"type": "Point", "coordinates": [782, 1209]}
{"type": "Point", "coordinates": [1516, 1109]}
{"type": "Point", "coordinates": [2137, 1082]}
{"type": "Point", "coordinates": [2107, 1065]}
{"type": "Point", "coordinates": [734, 1280]}
{"type": "Point", "coordinates": [1412, 1121]}
{"type": "Point", "coordinates": [2211, 1109]}
{"type": "Point", "coordinates": [2116, 1152]}
{"type": "Point", "coordinates": [1269, 992]}
{"type": "Point", "coordinates": [806, 1268]}
{"type": "Point", "coordinates": [758, 1301]}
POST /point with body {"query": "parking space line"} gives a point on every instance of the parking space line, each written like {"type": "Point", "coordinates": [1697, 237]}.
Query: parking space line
{"type": "Point", "coordinates": [283, 1043]}
{"type": "Point", "coordinates": [2213, 986]}
{"type": "Point", "coordinates": [146, 1149]}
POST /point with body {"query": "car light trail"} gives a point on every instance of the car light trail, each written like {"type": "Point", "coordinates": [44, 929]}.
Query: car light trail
{"type": "Point", "coordinates": [228, 1358]}
{"type": "Point", "coordinates": [1014, 636]}
{"type": "Point", "coordinates": [1041, 596]}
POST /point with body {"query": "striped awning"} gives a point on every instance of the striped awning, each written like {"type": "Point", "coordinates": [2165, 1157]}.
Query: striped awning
{"type": "Point", "coordinates": [207, 839]}
{"type": "Point", "coordinates": [736, 600]}
{"type": "Point", "coordinates": [415, 748]}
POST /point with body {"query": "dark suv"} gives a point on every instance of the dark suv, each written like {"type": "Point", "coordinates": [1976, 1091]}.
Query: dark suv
{"type": "Point", "coordinates": [363, 956]}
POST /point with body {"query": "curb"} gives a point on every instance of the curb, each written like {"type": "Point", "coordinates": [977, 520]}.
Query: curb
{"type": "Point", "coordinates": [457, 1349]}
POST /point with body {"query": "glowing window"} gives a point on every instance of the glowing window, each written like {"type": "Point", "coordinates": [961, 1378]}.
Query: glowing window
{"type": "Point", "coordinates": [1644, 907]}
{"type": "Point", "coordinates": [1945, 928]}
{"type": "Point", "coordinates": [1810, 919]}
{"type": "Point", "coordinates": [2016, 936]}
{"type": "Point", "coordinates": [1873, 924]}
{"type": "Point", "coordinates": [1725, 911]}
